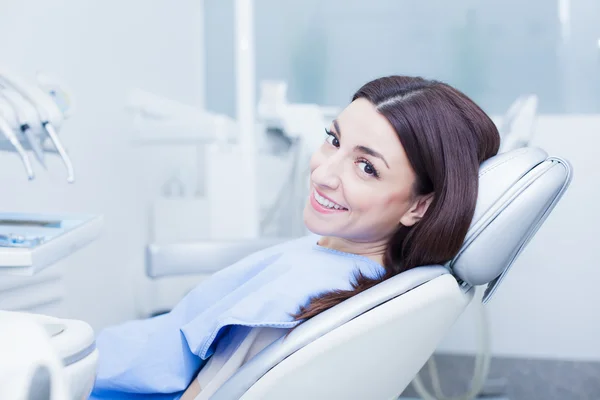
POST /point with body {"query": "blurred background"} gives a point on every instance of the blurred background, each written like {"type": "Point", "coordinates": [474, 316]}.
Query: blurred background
{"type": "Point", "coordinates": [154, 102]}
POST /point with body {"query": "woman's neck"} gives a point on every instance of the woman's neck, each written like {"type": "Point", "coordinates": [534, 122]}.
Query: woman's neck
{"type": "Point", "coordinates": [373, 250]}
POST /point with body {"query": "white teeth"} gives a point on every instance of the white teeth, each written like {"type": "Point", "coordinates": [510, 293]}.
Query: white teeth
{"type": "Point", "coordinates": [326, 203]}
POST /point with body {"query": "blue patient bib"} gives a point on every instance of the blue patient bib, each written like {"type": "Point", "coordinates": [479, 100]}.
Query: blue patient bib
{"type": "Point", "coordinates": [157, 358]}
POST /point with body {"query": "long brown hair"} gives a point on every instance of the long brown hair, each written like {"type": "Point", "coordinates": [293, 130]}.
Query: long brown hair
{"type": "Point", "coordinates": [446, 136]}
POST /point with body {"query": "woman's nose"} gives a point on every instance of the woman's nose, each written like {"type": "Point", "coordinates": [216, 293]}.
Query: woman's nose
{"type": "Point", "coordinates": [327, 174]}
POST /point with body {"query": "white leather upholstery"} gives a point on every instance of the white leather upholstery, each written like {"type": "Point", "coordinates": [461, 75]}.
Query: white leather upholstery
{"type": "Point", "coordinates": [517, 191]}
{"type": "Point", "coordinates": [326, 322]}
{"type": "Point", "coordinates": [373, 356]}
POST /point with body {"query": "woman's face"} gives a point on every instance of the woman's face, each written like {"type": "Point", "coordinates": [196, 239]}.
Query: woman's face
{"type": "Point", "coordinates": [361, 180]}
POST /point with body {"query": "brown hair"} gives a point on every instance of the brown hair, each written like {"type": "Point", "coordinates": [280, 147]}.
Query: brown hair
{"type": "Point", "coordinates": [446, 136]}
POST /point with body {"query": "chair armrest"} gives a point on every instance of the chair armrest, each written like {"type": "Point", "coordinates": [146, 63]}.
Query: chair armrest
{"type": "Point", "coordinates": [205, 257]}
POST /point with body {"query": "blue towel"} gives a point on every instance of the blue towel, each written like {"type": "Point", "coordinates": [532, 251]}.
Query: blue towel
{"type": "Point", "coordinates": [157, 358]}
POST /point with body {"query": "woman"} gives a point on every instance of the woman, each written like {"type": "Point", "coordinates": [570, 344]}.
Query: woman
{"type": "Point", "coordinates": [393, 186]}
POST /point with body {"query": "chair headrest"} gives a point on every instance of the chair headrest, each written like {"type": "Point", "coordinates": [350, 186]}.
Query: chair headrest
{"type": "Point", "coordinates": [517, 191]}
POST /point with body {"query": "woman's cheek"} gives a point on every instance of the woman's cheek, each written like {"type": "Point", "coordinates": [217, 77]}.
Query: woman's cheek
{"type": "Point", "coordinates": [316, 159]}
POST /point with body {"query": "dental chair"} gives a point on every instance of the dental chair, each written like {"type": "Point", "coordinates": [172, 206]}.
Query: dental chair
{"type": "Point", "coordinates": [373, 345]}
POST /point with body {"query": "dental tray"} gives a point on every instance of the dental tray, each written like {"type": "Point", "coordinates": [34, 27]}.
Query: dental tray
{"type": "Point", "coordinates": [32, 242]}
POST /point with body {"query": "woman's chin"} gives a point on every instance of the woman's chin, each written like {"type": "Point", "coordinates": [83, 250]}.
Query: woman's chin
{"type": "Point", "coordinates": [320, 228]}
{"type": "Point", "coordinates": [314, 224]}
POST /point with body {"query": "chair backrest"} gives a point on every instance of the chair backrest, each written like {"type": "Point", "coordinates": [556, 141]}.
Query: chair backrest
{"type": "Point", "coordinates": [387, 333]}
{"type": "Point", "coordinates": [517, 192]}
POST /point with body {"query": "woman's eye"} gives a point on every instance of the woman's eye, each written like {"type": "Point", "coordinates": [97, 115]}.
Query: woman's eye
{"type": "Point", "coordinates": [331, 139]}
{"type": "Point", "coordinates": [367, 168]}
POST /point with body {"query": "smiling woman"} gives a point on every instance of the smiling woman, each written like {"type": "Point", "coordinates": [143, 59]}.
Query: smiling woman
{"type": "Point", "coordinates": [352, 170]}
{"type": "Point", "coordinates": [393, 186]}
{"type": "Point", "coordinates": [396, 178]}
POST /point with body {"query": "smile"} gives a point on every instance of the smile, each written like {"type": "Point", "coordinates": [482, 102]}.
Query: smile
{"type": "Point", "coordinates": [323, 204]}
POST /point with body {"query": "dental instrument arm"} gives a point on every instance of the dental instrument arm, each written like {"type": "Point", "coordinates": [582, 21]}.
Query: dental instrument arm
{"type": "Point", "coordinates": [48, 113]}
{"type": "Point", "coordinates": [11, 136]}
{"type": "Point", "coordinates": [26, 115]}
{"type": "Point", "coordinates": [61, 150]}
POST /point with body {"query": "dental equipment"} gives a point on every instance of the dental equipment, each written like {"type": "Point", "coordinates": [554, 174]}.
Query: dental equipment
{"type": "Point", "coordinates": [298, 123]}
{"type": "Point", "coordinates": [25, 114]}
{"type": "Point", "coordinates": [12, 240]}
{"type": "Point", "coordinates": [12, 138]}
{"type": "Point", "coordinates": [41, 355]}
{"type": "Point", "coordinates": [8, 120]}
{"type": "Point", "coordinates": [48, 113]}
{"type": "Point", "coordinates": [29, 244]}
{"type": "Point", "coordinates": [518, 124]}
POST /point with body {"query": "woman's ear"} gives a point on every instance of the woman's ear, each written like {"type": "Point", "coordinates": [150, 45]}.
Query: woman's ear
{"type": "Point", "coordinates": [417, 210]}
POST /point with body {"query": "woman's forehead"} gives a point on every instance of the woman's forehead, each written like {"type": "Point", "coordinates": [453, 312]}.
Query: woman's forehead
{"type": "Point", "coordinates": [360, 124]}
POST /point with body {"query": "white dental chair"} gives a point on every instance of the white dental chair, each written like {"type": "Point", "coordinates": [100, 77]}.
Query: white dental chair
{"type": "Point", "coordinates": [372, 345]}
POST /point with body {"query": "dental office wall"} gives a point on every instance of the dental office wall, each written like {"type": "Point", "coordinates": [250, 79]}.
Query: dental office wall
{"type": "Point", "coordinates": [325, 50]}
{"type": "Point", "coordinates": [101, 50]}
{"type": "Point", "coordinates": [494, 51]}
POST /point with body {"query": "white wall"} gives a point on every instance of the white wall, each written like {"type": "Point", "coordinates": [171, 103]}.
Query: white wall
{"type": "Point", "coordinates": [547, 307]}
{"type": "Point", "coordinates": [101, 49]}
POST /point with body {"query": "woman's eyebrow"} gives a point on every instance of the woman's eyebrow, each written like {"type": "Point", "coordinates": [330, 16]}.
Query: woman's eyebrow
{"type": "Point", "coordinates": [362, 149]}
{"type": "Point", "coordinates": [371, 152]}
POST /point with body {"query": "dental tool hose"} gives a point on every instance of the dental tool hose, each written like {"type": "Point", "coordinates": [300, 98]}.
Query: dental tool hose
{"type": "Point", "coordinates": [481, 370]}
{"type": "Point", "coordinates": [25, 114]}
{"type": "Point", "coordinates": [61, 151]}
{"type": "Point", "coordinates": [11, 136]}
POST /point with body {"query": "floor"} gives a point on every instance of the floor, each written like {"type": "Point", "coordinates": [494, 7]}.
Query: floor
{"type": "Point", "coordinates": [519, 379]}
